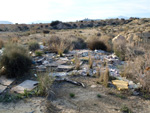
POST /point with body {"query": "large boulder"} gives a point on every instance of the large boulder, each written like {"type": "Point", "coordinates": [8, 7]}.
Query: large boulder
{"type": "Point", "coordinates": [118, 39]}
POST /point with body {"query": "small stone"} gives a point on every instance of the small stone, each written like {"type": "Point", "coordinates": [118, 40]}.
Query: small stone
{"type": "Point", "coordinates": [93, 86]}
{"type": "Point", "coordinates": [135, 93]}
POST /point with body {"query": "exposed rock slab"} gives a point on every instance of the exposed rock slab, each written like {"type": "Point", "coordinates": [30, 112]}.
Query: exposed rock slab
{"type": "Point", "coordinates": [56, 63]}
{"type": "Point", "coordinates": [58, 74]}
{"type": "Point", "coordinates": [65, 67]}
{"type": "Point", "coordinates": [26, 85]}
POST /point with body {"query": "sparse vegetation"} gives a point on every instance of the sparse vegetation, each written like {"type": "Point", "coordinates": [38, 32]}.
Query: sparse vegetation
{"type": "Point", "coordinates": [121, 96]}
{"type": "Point", "coordinates": [125, 109]}
{"type": "Point", "coordinates": [99, 96]}
{"type": "Point", "coordinates": [38, 53]}
{"type": "Point", "coordinates": [59, 37]}
{"type": "Point", "coordinates": [72, 95]}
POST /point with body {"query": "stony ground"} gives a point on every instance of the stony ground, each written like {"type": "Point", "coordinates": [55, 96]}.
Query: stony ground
{"type": "Point", "coordinates": [86, 99]}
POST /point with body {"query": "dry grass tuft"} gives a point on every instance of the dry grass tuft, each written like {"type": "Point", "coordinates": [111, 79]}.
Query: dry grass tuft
{"type": "Point", "coordinates": [77, 62]}
{"type": "Point", "coordinates": [33, 46]}
{"type": "Point", "coordinates": [104, 78]}
{"type": "Point", "coordinates": [59, 45]}
{"type": "Point", "coordinates": [44, 85]}
{"type": "Point", "coordinates": [91, 60]}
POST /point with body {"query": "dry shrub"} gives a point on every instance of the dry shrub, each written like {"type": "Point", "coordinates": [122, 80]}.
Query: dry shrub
{"type": "Point", "coordinates": [1, 44]}
{"type": "Point", "coordinates": [96, 44]}
{"type": "Point", "coordinates": [79, 43]}
{"type": "Point", "coordinates": [14, 40]}
{"type": "Point", "coordinates": [119, 48]}
{"type": "Point", "coordinates": [53, 40]}
{"type": "Point", "coordinates": [44, 85]}
{"type": "Point", "coordinates": [108, 42]}
{"type": "Point", "coordinates": [133, 51]}
{"type": "Point", "coordinates": [33, 46]}
{"type": "Point", "coordinates": [91, 60]}
{"type": "Point", "coordinates": [59, 45]}
{"type": "Point", "coordinates": [104, 78]}
{"type": "Point", "coordinates": [15, 60]}
{"type": "Point", "coordinates": [98, 72]}
{"type": "Point", "coordinates": [77, 62]}
{"type": "Point", "coordinates": [139, 71]}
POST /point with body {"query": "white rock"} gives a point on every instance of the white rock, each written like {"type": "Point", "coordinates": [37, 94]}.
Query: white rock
{"type": "Point", "coordinates": [93, 86]}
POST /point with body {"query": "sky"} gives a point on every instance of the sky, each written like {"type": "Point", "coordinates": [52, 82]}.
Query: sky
{"type": "Point", "coordinates": [27, 11]}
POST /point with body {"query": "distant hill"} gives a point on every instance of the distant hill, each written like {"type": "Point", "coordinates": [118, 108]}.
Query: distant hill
{"type": "Point", "coordinates": [39, 21]}
{"type": "Point", "coordinates": [5, 22]}
{"type": "Point", "coordinates": [85, 23]}
{"type": "Point", "coordinates": [87, 19]}
{"type": "Point", "coordinates": [119, 17]}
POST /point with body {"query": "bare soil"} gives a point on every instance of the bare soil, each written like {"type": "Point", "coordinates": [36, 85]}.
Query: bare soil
{"type": "Point", "coordinates": [85, 100]}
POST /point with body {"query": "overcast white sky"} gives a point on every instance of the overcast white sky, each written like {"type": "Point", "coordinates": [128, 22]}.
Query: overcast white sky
{"type": "Point", "coordinates": [25, 11]}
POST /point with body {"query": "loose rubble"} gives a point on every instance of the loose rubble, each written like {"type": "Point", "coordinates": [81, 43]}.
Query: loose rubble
{"type": "Point", "coordinates": [65, 66]}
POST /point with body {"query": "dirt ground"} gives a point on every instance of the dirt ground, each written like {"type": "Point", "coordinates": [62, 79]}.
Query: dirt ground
{"type": "Point", "coordinates": [85, 100]}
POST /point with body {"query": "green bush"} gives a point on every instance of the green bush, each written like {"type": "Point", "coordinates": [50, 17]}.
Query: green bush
{"type": "Point", "coordinates": [72, 95]}
{"type": "Point", "coordinates": [97, 44]}
{"type": "Point", "coordinates": [16, 61]}
{"type": "Point", "coordinates": [33, 46]}
{"type": "Point", "coordinates": [38, 53]}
